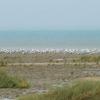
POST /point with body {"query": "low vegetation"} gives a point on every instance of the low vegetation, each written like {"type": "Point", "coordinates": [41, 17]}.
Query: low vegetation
{"type": "Point", "coordinates": [81, 90]}
{"type": "Point", "coordinates": [3, 63]}
{"type": "Point", "coordinates": [7, 81]}
{"type": "Point", "coordinates": [95, 59]}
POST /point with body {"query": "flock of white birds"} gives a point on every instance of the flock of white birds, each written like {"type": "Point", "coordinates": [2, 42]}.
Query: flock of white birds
{"type": "Point", "coordinates": [27, 50]}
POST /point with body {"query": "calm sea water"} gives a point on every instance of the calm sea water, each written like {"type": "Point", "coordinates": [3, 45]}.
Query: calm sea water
{"type": "Point", "coordinates": [49, 39]}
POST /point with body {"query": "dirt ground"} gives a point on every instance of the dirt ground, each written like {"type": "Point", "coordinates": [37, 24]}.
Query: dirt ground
{"type": "Point", "coordinates": [44, 77]}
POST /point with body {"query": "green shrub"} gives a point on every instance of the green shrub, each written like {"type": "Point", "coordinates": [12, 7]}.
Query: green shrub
{"type": "Point", "coordinates": [7, 81]}
{"type": "Point", "coordinates": [95, 59]}
{"type": "Point", "coordinates": [3, 63]}
{"type": "Point", "coordinates": [81, 90]}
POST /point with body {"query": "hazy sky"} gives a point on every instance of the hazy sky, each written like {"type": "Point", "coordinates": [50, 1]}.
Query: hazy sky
{"type": "Point", "coordinates": [49, 14]}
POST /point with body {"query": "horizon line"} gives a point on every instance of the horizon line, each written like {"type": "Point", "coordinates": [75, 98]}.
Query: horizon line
{"type": "Point", "coordinates": [51, 30]}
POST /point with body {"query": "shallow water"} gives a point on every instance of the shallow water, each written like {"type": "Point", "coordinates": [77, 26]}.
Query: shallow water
{"type": "Point", "coordinates": [50, 39]}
